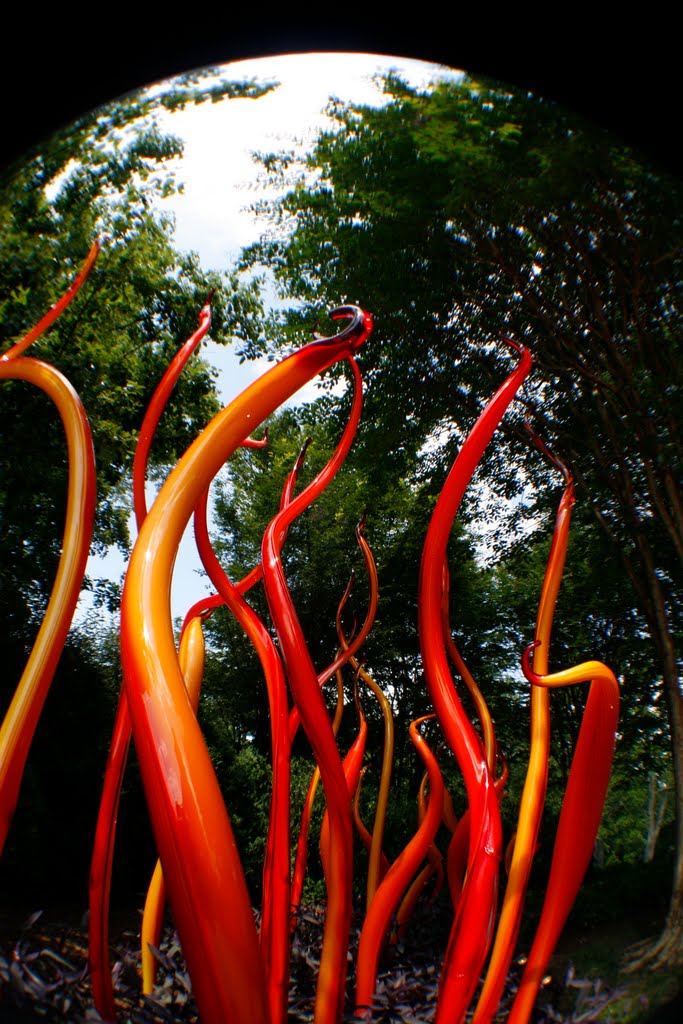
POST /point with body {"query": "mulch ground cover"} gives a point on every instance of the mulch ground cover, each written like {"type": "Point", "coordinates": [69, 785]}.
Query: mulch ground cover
{"type": "Point", "coordinates": [44, 977]}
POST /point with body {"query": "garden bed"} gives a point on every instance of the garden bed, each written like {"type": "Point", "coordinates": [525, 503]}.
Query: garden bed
{"type": "Point", "coordinates": [44, 977]}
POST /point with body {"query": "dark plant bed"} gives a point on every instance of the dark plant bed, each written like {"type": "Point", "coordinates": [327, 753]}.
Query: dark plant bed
{"type": "Point", "coordinates": [44, 977]}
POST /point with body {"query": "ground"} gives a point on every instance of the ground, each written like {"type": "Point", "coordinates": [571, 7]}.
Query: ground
{"type": "Point", "coordinates": [43, 977]}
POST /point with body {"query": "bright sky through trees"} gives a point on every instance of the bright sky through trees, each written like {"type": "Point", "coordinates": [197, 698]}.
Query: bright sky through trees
{"type": "Point", "coordinates": [220, 182]}
{"type": "Point", "coordinates": [220, 139]}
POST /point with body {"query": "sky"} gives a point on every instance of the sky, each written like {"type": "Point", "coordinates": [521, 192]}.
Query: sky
{"type": "Point", "coordinates": [218, 166]}
{"type": "Point", "coordinates": [220, 178]}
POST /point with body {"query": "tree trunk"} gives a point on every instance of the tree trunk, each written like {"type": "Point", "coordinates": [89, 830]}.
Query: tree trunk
{"type": "Point", "coordinates": [667, 949]}
{"type": "Point", "coordinates": [655, 816]}
{"type": "Point", "coordinates": [625, 447]}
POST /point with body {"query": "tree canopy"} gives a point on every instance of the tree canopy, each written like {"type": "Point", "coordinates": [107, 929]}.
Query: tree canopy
{"type": "Point", "coordinates": [99, 178]}
{"type": "Point", "coordinates": [468, 211]}
{"type": "Point", "coordinates": [455, 215]}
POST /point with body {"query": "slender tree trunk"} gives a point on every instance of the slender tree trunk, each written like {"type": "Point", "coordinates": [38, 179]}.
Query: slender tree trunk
{"type": "Point", "coordinates": [642, 569]}
{"type": "Point", "coordinates": [614, 427]}
{"type": "Point", "coordinates": [667, 949]}
{"type": "Point", "coordinates": [656, 809]}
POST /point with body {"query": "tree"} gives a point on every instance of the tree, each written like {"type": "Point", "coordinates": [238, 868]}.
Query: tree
{"type": "Point", "coordinates": [100, 177]}
{"type": "Point", "coordinates": [466, 211]}
{"type": "Point", "coordinates": [321, 552]}
{"type": "Point", "coordinates": [319, 556]}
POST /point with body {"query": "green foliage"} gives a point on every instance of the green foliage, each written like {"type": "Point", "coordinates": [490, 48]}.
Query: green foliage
{"type": "Point", "coordinates": [321, 553]}
{"type": "Point", "coordinates": [453, 215]}
{"type": "Point", "coordinates": [456, 215]}
{"type": "Point", "coordinates": [453, 228]}
{"type": "Point", "coordinates": [62, 782]}
{"type": "Point", "coordinates": [624, 828]}
{"type": "Point", "coordinates": [101, 177]}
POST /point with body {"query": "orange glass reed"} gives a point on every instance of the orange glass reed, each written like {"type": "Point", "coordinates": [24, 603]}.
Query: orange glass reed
{"type": "Point", "coordinates": [396, 880]}
{"type": "Point", "coordinates": [580, 815]}
{"type": "Point", "coordinates": [300, 860]}
{"type": "Point", "coordinates": [274, 932]}
{"type": "Point", "coordinates": [376, 857]}
{"type": "Point", "coordinates": [18, 727]}
{"type": "Point", "coordinates": [105, 830]}
{"type": "Point", "coordinates": [471, 932]}
{"type": "Point", "coordinates": [586, 787]}
{"type": "Point", "coordinates": [351, 765]}
{"type": "Point", "coordinates": [363, 833]}
{"type": "Point", "coordinates": [434, 866]}
{"type": "Point", "coordinates": [533, 794]}
{"type": "Point", "coordinates": [203, 874]}
{"type": "Point", "coordinates": [191, 654]}
{"type": "Point", "coordinates": [305, 687]}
